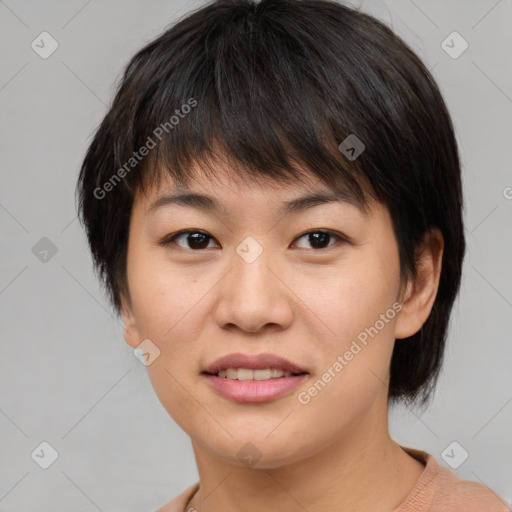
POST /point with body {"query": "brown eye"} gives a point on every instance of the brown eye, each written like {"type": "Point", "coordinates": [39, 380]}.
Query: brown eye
{"type": "Point", "coordinates": [197, 240]}
{"type": "Point", "coordinates": [193, 240]}
{"type": "Point", "coordinates": [320, 239]}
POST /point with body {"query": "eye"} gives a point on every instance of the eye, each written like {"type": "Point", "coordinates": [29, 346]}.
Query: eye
{"type": "Point", "coordinates": [321, 238]}
{"type": "Point", "coordinates": [196, 240]}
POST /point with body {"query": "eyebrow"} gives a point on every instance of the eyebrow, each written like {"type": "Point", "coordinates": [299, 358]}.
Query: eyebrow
{"type": "Point", "coordinates": [209, 204]}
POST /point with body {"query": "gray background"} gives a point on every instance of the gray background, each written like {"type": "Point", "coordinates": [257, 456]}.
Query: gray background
{"type": "Point", "coordinates": [67, 376]}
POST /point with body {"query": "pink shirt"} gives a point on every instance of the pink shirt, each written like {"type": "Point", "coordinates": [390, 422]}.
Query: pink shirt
{"type": "Point", "coordinates": [437, 490]}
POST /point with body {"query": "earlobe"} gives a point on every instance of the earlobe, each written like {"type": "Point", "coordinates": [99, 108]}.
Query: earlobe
{"type": "Point", "coordinates": [420, 294]}
{"type": "Point", "coordinates": [130, 329]}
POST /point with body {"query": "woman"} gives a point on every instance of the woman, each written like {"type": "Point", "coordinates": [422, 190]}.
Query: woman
{"type": "Point", "coordinates": [274, 205]}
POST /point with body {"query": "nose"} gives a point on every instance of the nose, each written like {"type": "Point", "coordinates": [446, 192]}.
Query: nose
{"type": "Point", "coordinates": [253, 296]}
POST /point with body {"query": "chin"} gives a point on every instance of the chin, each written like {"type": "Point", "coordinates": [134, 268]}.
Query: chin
{"type": "Point", "coordinates": [260, 453]}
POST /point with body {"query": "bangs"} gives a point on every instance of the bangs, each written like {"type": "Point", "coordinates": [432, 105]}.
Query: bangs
{"type": "Point", "coordinates": [252, 98]}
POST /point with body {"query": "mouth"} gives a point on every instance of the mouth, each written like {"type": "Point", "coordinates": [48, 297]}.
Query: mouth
{"type": "Point", "coordinates": [254, 378]}
{"type": "Point", "coordinates": [244, 374]}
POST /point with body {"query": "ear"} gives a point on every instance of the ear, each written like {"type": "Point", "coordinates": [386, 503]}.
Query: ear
{"type": "Point", "coordinates": [421, 293]}
{"type": "Point", "coordinates": [130, 330]}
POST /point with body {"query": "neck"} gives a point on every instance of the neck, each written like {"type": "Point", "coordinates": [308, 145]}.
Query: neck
{"type": "Point", "coordinates": [363, 469]}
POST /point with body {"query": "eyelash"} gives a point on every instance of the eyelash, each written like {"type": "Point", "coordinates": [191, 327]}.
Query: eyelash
{"type": "Point", "coordinates": [169, 240]}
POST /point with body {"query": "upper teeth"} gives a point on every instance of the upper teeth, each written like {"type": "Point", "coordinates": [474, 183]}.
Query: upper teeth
{"type": "Point", "coordinates": [247, 374]}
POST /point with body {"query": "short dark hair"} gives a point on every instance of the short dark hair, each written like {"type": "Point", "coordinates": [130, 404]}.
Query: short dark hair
{"type": "Point", "coordinates": [274, 87]}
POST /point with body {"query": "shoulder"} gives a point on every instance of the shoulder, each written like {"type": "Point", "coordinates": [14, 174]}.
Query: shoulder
{"type": "Point", "coordinates": [178, 503]}
{"type": "Point", "coordinates": [456, 494]}
{"type": "Point", "coordinates": [440, 490]}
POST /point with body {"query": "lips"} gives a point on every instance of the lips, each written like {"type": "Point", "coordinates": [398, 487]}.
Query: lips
{"type": "Point", "coordinates": [253, 362]}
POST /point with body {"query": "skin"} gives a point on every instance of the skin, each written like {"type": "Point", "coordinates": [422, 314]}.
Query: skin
{"type": "Point", "coordinates": [303, 303]}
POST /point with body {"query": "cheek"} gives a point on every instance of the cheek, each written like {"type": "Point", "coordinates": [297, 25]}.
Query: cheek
{"type": "Point", "coordinates": [171, 308]}
{"type": "Point", "coordinates": [356, 323]}
{"type": "Point", "coordinates": [352, 296]}
{"type": "Point", "coordinates": [162, 294]}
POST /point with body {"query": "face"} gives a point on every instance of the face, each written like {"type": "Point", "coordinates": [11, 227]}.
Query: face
{"type": "Point", "coordinates": [317, 286]}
